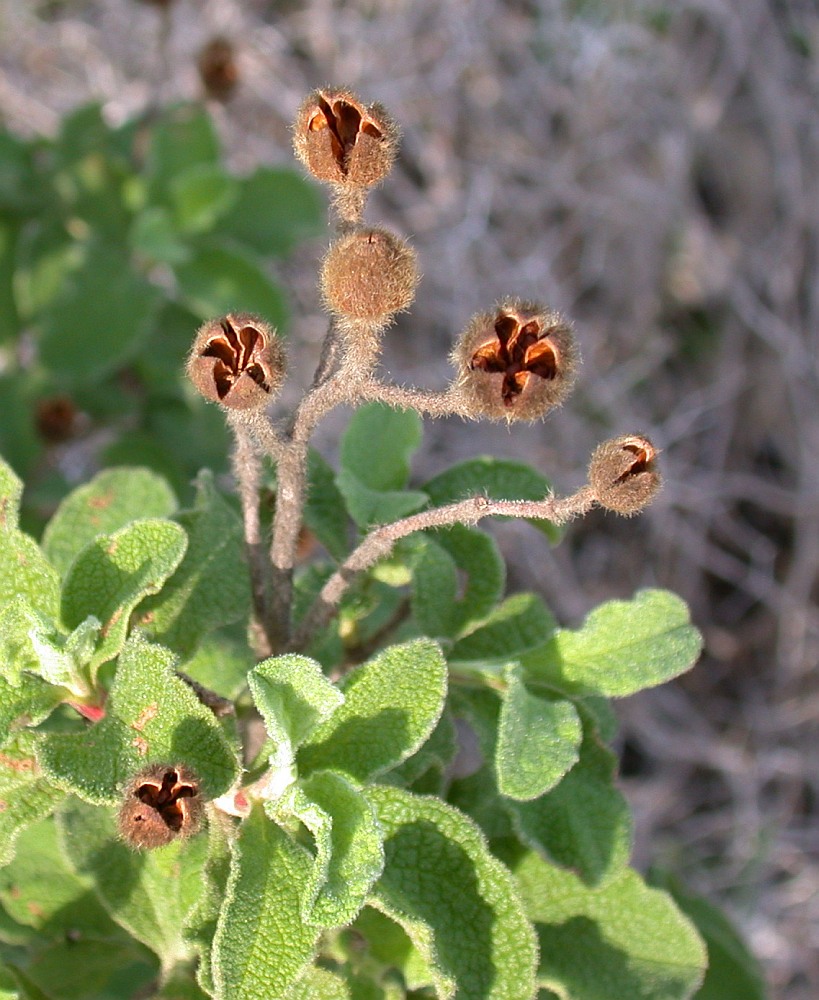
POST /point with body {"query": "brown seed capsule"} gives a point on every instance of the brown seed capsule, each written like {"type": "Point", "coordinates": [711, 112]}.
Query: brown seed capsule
{"type": "Point", "coordinates": [516, 363]}
{"type": "Point", "coordinates": [161, 803]}
{"type": "Point", "coordinates": [237, 361]}
{"type": "Point", "coordinates": [369, 275]}
{"type": "Point", "coordinates": [623, 474]}
{"type": "Point", "coordinates": [340, 140]}
{"type": "Point", "coordinates": [218, 69]}
{"type": "Point", "coordinates": [56, 419]}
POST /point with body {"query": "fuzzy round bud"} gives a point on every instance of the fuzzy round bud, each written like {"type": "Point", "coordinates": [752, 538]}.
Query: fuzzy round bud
{"type": "Point", "coordinates": [218, 69]}
{"type": "Point", "coordinates": [369, 275]}
{"type": "Point", "coordinates": [623, 474]}
{"type": "Point", "coordinates": [340, 140]}
{"type": "Point", "coordinates": [161, 803]}
{"type": "Point", "coordinates": [516, 363]}
{"type": "Point", "coordinates": [237, 361]}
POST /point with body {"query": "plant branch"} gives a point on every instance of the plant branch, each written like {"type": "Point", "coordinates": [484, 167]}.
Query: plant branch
{"type": "Point", "coordinates": [430, 402]}
{"type": "Point", "coordinates": [380, 542]}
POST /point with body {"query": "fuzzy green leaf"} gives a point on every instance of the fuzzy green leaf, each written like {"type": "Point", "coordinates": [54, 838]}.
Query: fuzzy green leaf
{"type": "Point", "coordinates": [319, 984]}
{"type": "Point", "coordinates": [455, 900]}
{"type": "Point", "coordinates": [149, 893]}
{"type": "Point", "coordinates": [434, 586]}
{"type": "Point", "coordinates": [184, 137]}
{"type": "Point", "coordinates": [367, 506]}
{"type": "Point", "coordinates": [620, 940]}
{"type": "Point", "coordinates": [477, 558]}
{"type": "Point", "coordinates": [324, 510]}
{"type": "Point", "coordinates": [201, 195]}
{"type": "Point", "coordinates": [221, 664]}
{"type": "Point", "coordinates": [262, 945]}
{"type": "Point", "coordinates": [349, 849]}
{"type": "Point", "coordinates": [583, 823]}
{"type": "Point", "coordinates": [25, 795]}
{"type": "Point", "coordinates": [151, 717]}
{"type": "Point", "coordinates": [200, 925]}
{"type": "Point", "coordinates": [211, 587]}
{"type": "Point", "coordinates": [378, 444]}
{"type": "Point", "coordinates": [113, 573]}
{"type": "Point", "coordinates": [538, 741]}
{"type": "Point", "coordinates": [392, 704]}
{"type": "Point", "coordinates": [112, 499]}
{"type": "Point", "coordinates": [295, 698]}
{"type": "Point", "coordinates": [622, 647]}
{"type": "Point", "coordinates": [497, 478]}
{"type": "Point", "coordinates": [26, 703]}
{"type": "Point", "coordinates": [522, 622]}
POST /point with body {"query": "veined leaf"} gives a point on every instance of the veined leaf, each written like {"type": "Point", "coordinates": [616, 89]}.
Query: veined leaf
{"type": "Point", "coordinates": [25, 795]}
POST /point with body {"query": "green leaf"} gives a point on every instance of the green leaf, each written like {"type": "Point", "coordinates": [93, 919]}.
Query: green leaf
{"type": "Point", "coordinates": [295, 698]}
{"type": "Point", "coordinates": [496, 478]}
{"type": "Point", "coordinates": [538, 741]}
{"type": "Point", "coordinates": [112, 499]}
{"type": "Point", "coordinates": [218, 281]}
{"type": "Point", "coordinates": [455, 900]}
{"type": "Point", "coordinates": [378, 444]}
{"type": "Point", "coordinates": [621, 940]}
{"type": "Point", "coordinates": [262, 945]}
{"type": "Point", "coordinates": [151, 717]}
{"type": "Point", "coordinates": [276, 210]}
{"type": "Point", "coordinates": [100, 317]}
{"type": "Point", "coordinates": [113, 573]}
{"type": "Point", "coordinates": [201, 196]}
{"type": "Point", "coordinates": [521, 623]}
{"type": "Point", "coordinates": [584, 823]}
{"type": "Point", "coordinates": [23, 567]}
{"type": "Point", "coordinates": [434, 586]}
{"type": "Point", "coordinates": [200, 924]}
{"type": "Point", "coordinates": [388, 943]}
{"type": "Point", "coordinates": [478, 559]}
{"type": "Point", "coordinates": [319, 984]}
{"type": "Point", "coordinates": [324, 510]}
{"type": "Point", "coordinates": [622, 647]}
{"type": "Point", "coordinates": [184, 137]}
{"type": "Point", "coordinates": [436, 754]}
{"type": "Point", "coordinates": [149, 893]}
{"type": "Point", "coordinates": [392, 704]}
{"type": "Point", "coordinates": [211, 587]}
{"type": "Point", "coordinates": [26, 703]}
{"type": "Point", "coordinates": [368, 507]}
{"type": "Point", "coordinates": [25, 796]}
{"type": "Point", "coordinates": [733, 971]}
{"type": "Point", "coordinates": [349, 849]}
{"type": "Point", "coordinates": [221, 664]}
{"type": "Point", "coordinates": [154, 235]}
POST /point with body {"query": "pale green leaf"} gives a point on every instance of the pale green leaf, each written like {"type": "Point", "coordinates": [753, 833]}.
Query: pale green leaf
{"type": "Point", "coordinates": [262, 946]}
{"type": "Point", "coordinates": [378, 444]}
{"type": "Point", "coordinates": [538, 740]}
{"type": "Point", "coordinates": [320, 984]}
{"type": "Point", "coordinates": [522, 622]}
{"type": "Point", "coordinates": [392, 704]}
{"type": "Point", "coordinates": [349, 850]}
{"type": "Point", "coordinates": [149, 893]}
{"type": "Point", "coordinates": [457, 902]}
{"type": "Point", "coordinates": [622, 647]}
{"type": "Point", "coordinates": [369, 507]}
{"type": "Point", "coordinates": [620, 940]}
{"type": "Point", "coordinates": [152, 716]}
{"type": "Point", "coordinates": [26, 703]}
{"type": "Point", "coordinates": [211, 586]}
{"type": "Point", "coordinates": [112, 499]}
{"type": "Point", "coordinates": [200, 924]}
{"type": "Point", "coordinates": [113, 573]}
{"type": "Point", "coordinates": [25, 795]}
{"type": "Point", "coordinates": [201, 195]}
{"type": "Point", "coordinates": [220, 280]}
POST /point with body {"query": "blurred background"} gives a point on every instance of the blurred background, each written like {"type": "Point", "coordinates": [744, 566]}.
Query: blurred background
{"type": "Point", "coordinates": [649, 167]}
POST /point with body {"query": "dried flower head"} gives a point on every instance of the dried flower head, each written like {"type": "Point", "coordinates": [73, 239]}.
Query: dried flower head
{"type": "Point", "coordinates": [623, 474]}
{"type": "Point", "coordinates": [161, 803]}
{"type": "Point", "coordinates": [516, 363]}
{"type": "Point", "coordinates": [369, 275]}
{"type": "Point", "coordinates": [218, 69]}
{"type": "Point", "coordinates": [237, 361]}
{"type": "Point", "coordinates": [340, 140]}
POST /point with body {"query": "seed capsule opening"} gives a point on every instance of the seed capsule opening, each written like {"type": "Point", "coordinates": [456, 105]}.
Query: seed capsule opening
{"type": "Point", "coordinates": [160, 804]}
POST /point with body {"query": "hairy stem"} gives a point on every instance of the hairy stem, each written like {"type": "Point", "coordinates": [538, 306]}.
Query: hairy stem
{"type": "Point", "coordinates": [379, 543]}
{"type": "Point", "coordinates": [433, 404]}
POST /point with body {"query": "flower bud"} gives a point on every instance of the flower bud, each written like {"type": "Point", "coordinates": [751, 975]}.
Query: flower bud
{"type": "Point", "coordinates": [623, 474]}
{"type": "Point", "coordinates": [369, 275]}
{"type": "Point", "coordinates": [342, 141]}
{"type": "Point", "coordinates": [160, 803]}
{"type": "Point", "coordinates": [237, 361]}
{"type": "Point", "coordinates": [516, 363]}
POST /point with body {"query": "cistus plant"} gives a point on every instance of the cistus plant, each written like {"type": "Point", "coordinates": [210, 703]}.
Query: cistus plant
{"type": "Point", "coordinates": [311, 749]}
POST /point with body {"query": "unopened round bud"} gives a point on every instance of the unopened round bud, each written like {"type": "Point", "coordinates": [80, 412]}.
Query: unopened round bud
{"type": "Point", "coordinates": [340, 140]}
{"type": "Point", "coordinates": [237, 361]}
{"type": "Point", "coordinates": [516, 363]}
{"type": "Point", "coordinates": [161, 803]}
{"type": "Point", "coordinates": [623, 474]}
{"type": "Point", "coordinates": [218, 69]}
{"type": "Point", "coordinates": [369, 275]}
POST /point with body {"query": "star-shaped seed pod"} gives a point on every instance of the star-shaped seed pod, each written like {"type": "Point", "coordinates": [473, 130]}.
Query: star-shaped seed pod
{"type": "Point", "coordinates": [516, 363]}
{"type": "Point", "coordinates": [342, 141]}
{"type": "Point", "coordinates": [237, 361]}
{"type": "Point", "coordinates": [623, 474]}
{"type": "Point", "coordinates": [161, 803]}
